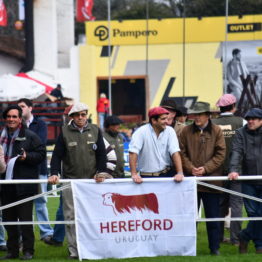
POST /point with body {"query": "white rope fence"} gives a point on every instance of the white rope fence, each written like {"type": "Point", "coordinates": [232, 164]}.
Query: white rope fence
{"type": "Point", "coordinates": [121, 180]}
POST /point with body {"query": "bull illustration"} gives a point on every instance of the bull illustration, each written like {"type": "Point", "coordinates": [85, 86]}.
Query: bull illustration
{"type": "Point", "coordinates": [121, 203]}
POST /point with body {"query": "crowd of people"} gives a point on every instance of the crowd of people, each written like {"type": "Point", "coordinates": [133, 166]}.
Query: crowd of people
{"type": "Point", "coordinates": [166, 146]}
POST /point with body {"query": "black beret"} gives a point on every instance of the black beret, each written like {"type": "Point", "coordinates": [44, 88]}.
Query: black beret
{"type": "Point", "coordinates": [112, 120]}
{"type": "Point", "coordinates": [254, 113]}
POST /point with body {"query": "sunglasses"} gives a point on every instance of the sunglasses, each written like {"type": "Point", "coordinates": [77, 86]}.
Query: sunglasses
{"type": "Point", "coordinates": [80, 114]}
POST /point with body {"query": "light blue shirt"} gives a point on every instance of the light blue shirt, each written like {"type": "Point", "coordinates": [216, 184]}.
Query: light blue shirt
{"type": "Point", "coordinates": [154, 153]}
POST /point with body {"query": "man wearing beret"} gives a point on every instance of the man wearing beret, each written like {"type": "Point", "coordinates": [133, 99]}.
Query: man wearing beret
{"type": "Point", "coordinates": [228, 122]}
{"type": "Point", "coordinates": [114, 146]}
{"type": "Point", "coordinates": [246, 160]}
{"type": "Point", "coordinates": [81, 148]}
{"type": "Point", "coordinates": [155, 148]}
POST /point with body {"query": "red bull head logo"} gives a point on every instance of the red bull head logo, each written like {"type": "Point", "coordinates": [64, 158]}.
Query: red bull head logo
{"type": "Point", "coordinates": [122, 203]}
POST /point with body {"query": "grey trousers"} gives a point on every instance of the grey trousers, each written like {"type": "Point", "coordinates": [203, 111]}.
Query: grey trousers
{"type": "Point", "coordinates": [69, 214]}
{"type": "Point", "coordinates": [236, 205]}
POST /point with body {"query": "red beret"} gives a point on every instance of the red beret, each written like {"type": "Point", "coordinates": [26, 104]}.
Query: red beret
{"type": "Point", "coordinates": [156, 111]}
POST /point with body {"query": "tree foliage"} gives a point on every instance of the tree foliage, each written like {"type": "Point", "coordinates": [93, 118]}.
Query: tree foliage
{"type": "Point", "coordinates": [139, 9]}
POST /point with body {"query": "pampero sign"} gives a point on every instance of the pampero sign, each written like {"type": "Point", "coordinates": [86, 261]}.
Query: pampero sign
{"type": "Point", "coordinates": [122, 220]}
{"type": "Point", "coordinates": [133, 32]}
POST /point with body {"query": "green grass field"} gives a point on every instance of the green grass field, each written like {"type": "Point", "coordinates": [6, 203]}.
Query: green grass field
{"type": "Point", "coordinates": [229, 253]}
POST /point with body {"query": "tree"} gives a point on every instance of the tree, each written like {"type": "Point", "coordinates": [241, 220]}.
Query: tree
{"type": "Point", "coordinates": [136, 9]}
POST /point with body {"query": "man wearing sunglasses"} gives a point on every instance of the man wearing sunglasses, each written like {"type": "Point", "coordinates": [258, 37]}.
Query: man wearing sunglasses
{"type": "Point", "coordinates": [80, 147]}
{"type": "Point", "coordinates": [246, 160]}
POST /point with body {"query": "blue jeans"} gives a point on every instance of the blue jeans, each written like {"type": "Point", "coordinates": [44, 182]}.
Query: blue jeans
{"type": "Point", "coordinates": [2, 233]}
{"type": "Point", "coordinates": [211, 207]}
{"type": "Point", "coordinates": [253, 231]}
{"type": "Point", "coordinates": [42, 211]}
{"type": "Point", "coordinates": [101, 120]}
{"type": "Point", "coordinates": [59, 229]}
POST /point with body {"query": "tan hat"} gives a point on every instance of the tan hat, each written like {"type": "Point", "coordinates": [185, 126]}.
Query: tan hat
{"type": "Point", "coordinates": [78, 107]}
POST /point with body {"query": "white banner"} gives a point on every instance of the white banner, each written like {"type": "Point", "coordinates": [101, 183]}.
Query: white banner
{"type": "Point", "coordinates": [121, 220]}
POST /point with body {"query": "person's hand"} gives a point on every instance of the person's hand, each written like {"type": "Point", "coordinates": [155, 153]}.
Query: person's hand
{"type": "Point", "coordinates": [22, 156]}
{"type": "Point", "coordinates": [233, 176]}
{"type": "Point", "coordinates": [198, 171]}
{"type": "Point", "coordinates": [54, 179]}
{"type": "Point", "coordinates": [100, 177]}
{"type": "Point", "coordinates": [178, 177]}
{"type": "Point", "coordinates": [137, 178]}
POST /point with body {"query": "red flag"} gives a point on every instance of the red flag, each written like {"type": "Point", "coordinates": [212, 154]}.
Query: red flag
{"type": "Point", "coordinates": [3, 14]}
{"type": "Point", "coordinates": [84, 10]}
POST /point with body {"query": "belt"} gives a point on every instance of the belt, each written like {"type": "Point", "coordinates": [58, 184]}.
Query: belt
{"type": "Point", "coordinates": [155, 173]}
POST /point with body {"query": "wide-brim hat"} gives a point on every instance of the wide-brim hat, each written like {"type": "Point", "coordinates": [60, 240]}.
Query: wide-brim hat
{"type": "Point", "coordinates": [199, 107]}
{"type": "Point", "coordinates": [169, 104]}
{"type": "Point", "coordinates": [181, 111]}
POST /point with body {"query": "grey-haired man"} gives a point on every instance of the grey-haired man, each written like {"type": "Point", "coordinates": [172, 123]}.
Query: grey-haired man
{"type": "Point", "coordinates": [81, 148]}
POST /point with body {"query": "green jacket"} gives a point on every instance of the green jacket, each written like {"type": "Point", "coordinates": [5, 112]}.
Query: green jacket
{"type": "Point", "coordinates": [81, 154]}
{"type": "Point", "coordinates": [117, 144]}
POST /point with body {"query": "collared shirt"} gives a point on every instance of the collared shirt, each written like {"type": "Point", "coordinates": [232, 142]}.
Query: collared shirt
{"type": "Point", "coordinates": [81, 129]}
{"type": "Point", "coordinates": [30, 120]}
{"type": "Point", "coordinates": [154, 153]}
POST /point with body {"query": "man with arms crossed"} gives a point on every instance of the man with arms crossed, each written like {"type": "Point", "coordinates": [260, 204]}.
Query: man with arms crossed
{"type": "Point", "coordinates": [203, 151]}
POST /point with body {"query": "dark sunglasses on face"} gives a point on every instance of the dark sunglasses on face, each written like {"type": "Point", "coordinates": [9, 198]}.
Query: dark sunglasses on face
{"type": "Point", "coordinates": [80, 114]}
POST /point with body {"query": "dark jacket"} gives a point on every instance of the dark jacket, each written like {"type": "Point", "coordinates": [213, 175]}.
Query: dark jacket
{"type": "Point", "coordinates": [117, 144]}
{"type": "Point", "coordinates": [27, 169]}
{"type": "Point", "coordinates": [246, 153]}
{"type": "Point", "coordinates": [229, 124]}
{"type": "Point", "coordinates": [39, 127]}
{"type": "Point", "coordinates": [83, 154]}
{"type": "Point", "coordinates": [205, 149]}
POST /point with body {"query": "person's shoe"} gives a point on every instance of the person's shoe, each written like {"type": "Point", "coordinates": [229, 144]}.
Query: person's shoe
{"type": "Point", "coordinates": [27, 256]}
{"type": "Point", "coordinates": [47, 238]}
{"type": "Point", "coordinates": [259, 251]}
{"type": "Point", "coordinates": [3, 248]}
{"type": "Point", "coordinates": [215, 252]}
{"type": "Point", "coordinates": [236, 244]}
{"type": "Point", "coordinates": [226, 240]}
{"type": "Point", "coordinates": [9, 256]}
{"type": "Point", "coordinates": [243, 245]}
{"type": "Point", "coordinates": [52, 242]}
{"type": "Point", "coordinates": [72, 257]}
